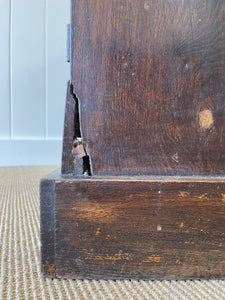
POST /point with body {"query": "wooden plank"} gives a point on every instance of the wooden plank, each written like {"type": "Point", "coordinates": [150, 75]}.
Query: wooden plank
{"type": "Point", "coordinates": [140, 228]}
{"type": "Point", "coordinates": [149, 76]}
{"type": "Point", "coordinates": [47, 227]}
{"type": "Point", "coordinates": [68, 136]}
{"type": "Point", "coordinates": [28, 68]}
{"type": "Point", "coordinates": [5, 11]}
{"type": "Point", "coordinates": [57, 69]}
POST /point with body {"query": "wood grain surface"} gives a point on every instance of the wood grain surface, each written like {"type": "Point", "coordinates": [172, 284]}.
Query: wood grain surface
{"type": "Point", "coordinates": [149, 77]}
{"type": "Point", "coordinates": [67, 166]}
{"type": "Point", "coordinates": [146, 98]}
{"type": "Point", "coordinates": [47, 216]}
{"type": "Point", "coordinates": [142, 228]}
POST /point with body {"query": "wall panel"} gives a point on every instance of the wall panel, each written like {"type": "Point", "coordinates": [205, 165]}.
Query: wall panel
{"type": "Point", "coordinates": [57, 69]}
{"type": "Point", "coordinates": [33, 76]}
{"type": "Point", "coordinates": [5, 69]}
{"type": "Point", "coordinates": [28, 68]}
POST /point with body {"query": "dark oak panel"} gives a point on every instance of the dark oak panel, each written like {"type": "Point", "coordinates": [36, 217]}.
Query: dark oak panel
{"type": "Point", "coordinates": [47, 218]}
{"type": "Point", "coordinates": [149, 76]}
{"type": "Point", "coordinates": [146, 98]}
{"type": "Point", "coordinates": [142, 228]}
{"type": "Point", "coordinates": [68, 134]}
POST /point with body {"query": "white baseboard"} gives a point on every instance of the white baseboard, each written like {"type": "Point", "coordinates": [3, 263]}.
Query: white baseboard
{"type": "Point", "coordinates": [30, 152]}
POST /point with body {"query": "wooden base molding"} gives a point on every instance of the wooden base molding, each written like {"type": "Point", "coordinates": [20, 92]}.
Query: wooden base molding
{"type": "Point", "coordinates": [133, 227]}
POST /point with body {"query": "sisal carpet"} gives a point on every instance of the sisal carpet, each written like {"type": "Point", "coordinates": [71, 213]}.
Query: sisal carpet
{"type": "Point", "coordinates": [20, 276]}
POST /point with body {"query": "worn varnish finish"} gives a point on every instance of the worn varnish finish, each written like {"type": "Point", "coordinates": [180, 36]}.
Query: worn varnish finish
{"type": "Point", "coordinates": [47, 189]}
{"type": "Point", "coordinates": [143, 72]}
{"type": "Point", "coordinates": [145, 99]}
{"type": "Point", "coordinates": [142, 228]}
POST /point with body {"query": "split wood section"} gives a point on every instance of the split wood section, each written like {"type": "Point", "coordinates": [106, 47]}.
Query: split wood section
{"type": "Point", "coordinates": [127, 227]}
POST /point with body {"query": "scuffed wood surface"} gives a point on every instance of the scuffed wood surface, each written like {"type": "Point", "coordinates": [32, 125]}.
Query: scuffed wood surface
{"type": "Point", "coordinates": [47, 216]}
{"type": "Point", "coordinates": [149, 76]}
{"type": "Point", "coordinates": [141, 229]}
{"type": "Point", "coordinates": [148, 99]}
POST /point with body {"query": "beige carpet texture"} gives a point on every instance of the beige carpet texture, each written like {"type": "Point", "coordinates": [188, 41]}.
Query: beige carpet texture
{"type": "Point", "coordinates": [20, 276]}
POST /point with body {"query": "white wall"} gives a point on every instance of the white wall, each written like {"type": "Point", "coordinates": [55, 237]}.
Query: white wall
{"type": "Point", "coordinates": [33, 76]}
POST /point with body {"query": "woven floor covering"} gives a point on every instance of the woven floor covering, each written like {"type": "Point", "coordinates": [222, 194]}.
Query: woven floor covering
{"type": "Point", "coordinates": [20, 276]}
